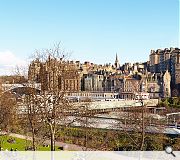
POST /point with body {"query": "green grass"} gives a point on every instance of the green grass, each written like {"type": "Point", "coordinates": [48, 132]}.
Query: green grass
{"type": "Point", "coordinates": [20, 144]}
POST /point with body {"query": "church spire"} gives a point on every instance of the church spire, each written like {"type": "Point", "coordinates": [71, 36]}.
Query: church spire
{"type": "Point", "coordinates": [116, 58]}
{"type": "Point", "coordinates": [117, 65]}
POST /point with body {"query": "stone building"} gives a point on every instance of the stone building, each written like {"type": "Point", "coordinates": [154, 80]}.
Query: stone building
{"type": "Point", "coordinates": [154, 85]}
{"type": "Point", "coordinates": [88, 84]}
{"type": "Point", "coordinates": [129, 87]}
{"type": "Point", "coordinates": [174, 66]}
{"type": "Point", "coordinates": [177, 73]}
{"type": "Point", "coordinates": [112, 82]}
{"type": "Point", "coordinates": [55, 75]}
{"type": "Point", "coordinates": [93, 82]}
{"type": "Point", "coordinates": [160, 60]}
{"type": "Point", "coordinates": [166, 84]}
{"type": "Point", "coordinates": [34, 70]}
{"type": "Point", "coordinates": [167, 59]}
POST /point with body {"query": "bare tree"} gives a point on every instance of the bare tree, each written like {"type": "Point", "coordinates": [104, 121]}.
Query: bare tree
{"type": "Point", "coordinates": [8, 109]}
{"type": "Point", "coordinates": [50, 108]}
{"type": "Point", "coordinates": [56, 76]}
{"type": "Point", "coordinates": [32, 114]}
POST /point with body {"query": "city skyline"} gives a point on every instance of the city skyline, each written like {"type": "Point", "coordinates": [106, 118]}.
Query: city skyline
{"type": "Point", "coordinates": [92, 31]}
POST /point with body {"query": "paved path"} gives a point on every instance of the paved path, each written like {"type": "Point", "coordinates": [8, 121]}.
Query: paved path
{"type": "Point", "coordinates": [67, 146]}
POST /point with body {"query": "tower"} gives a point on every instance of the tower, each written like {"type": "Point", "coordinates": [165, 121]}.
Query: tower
{"type": "Point", "coordinates": [117, 65]}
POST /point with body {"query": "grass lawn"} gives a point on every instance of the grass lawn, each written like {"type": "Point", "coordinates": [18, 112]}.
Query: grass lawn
{"type": "Point", "coordinates": [18, 143]}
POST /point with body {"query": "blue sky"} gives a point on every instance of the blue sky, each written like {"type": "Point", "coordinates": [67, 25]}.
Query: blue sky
{"type": "Point", "coordinates": [92, 30]}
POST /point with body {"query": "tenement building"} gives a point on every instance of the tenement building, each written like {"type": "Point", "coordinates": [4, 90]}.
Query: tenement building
{"type": "Point", "coordinates": [93, 82]}
{"type": "Point", "coordinates": [167, 59]}
{"type": "Point", "coordinates": [129, 87]}
{"type": "Point", "coordinates": [154, 85]}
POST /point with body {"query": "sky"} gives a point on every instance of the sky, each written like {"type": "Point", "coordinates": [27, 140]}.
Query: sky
{"type": "Point", "coordinates": [91, 30]}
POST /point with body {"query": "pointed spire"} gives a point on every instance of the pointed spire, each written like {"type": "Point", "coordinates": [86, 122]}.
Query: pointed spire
{"type": "Point", "coordinates": [117, 65]}
{"type": "Point", "coordinates": [116, 57]}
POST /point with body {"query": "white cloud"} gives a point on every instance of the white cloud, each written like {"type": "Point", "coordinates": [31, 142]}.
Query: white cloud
{"type": "Point", "coordinates": [8, 61]}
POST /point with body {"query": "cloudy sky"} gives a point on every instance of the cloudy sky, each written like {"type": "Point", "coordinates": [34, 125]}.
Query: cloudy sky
{"type": "Point", "coordinates": [9, 61]}
{"type": "Point", "coordinates": [93, 30]}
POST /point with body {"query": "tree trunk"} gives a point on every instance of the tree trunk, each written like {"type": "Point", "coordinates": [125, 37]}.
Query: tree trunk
{"type": "Point", "coordinates": [33, 140]}
{"type": "Point", "coordinates": [52, 142]}
{"type": "Point", "coordinates": [52, 138]}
